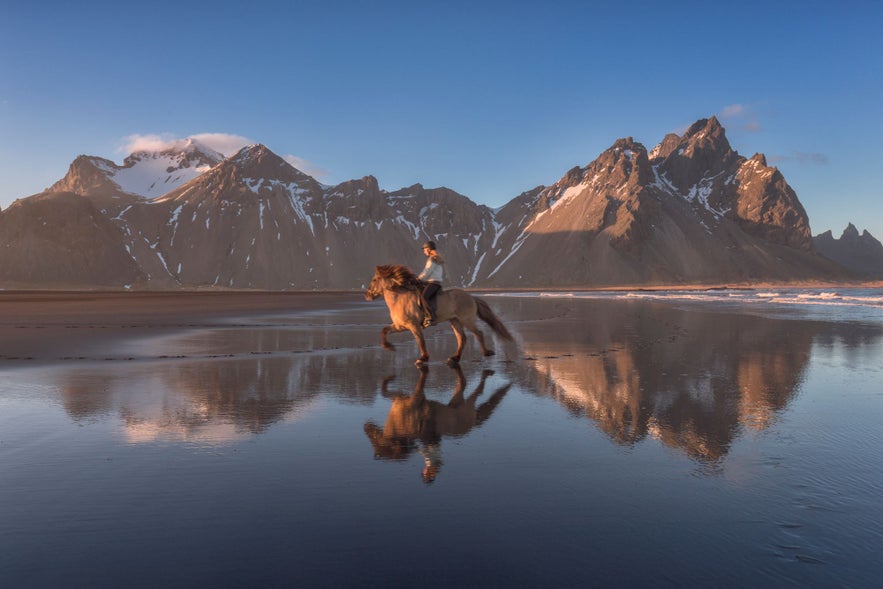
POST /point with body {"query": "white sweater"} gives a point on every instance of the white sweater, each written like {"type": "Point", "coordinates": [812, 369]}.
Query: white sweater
{"type": "Point", "coordinates": [433, 271]}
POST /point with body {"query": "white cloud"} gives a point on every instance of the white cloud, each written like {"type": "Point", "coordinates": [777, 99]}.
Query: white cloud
{"type": "Point", "coordinates": [224, 143]}
{"type": "Point", "coordinates": [740, 116]}
{"type": "Point", "coordinates": [733, 110]}
{"type": "Point", "coordinates": [306, 167]}
{"type": "Point", "coordinates": [800, 157]}
{"type": "Point", "coordinates": [133, 143]}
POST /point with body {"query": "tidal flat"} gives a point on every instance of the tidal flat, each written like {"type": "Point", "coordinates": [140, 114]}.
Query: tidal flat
{"type": "Point", "coordinates": [248, 440]}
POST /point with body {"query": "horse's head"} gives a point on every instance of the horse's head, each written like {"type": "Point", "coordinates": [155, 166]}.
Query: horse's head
{"type": "Point", "coordinates": [376, 286]}
{"type": "Point", "coordinates": [394, 277]}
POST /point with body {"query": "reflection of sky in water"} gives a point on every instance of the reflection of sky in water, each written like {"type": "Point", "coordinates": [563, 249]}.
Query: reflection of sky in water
{"type": "Point", "coordinates": [721, 448]}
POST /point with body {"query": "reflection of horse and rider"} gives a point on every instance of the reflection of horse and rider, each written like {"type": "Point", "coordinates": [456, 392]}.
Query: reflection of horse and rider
{"type": "Point", "coordinates": [417, 423]}
{"type": "Point", "coordinates": [416, 302]}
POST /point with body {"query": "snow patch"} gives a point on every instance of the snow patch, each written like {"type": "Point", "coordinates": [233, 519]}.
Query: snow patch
{"type": "Point", "coordinates": [154, 174]}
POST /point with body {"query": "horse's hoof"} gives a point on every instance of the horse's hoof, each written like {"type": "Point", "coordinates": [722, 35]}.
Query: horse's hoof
{"type": "Point", "coordinates": [490, 353]}
{"type": "Point", "coordinates": [388, 347]}
{"type": "Point", "coordinates": [453, 361]}
{"type": "Point", "coordinates": [421, 362]}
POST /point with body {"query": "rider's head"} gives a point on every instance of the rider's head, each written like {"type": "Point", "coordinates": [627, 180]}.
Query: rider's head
{"type": "Point", "coordinates": [429, 245]}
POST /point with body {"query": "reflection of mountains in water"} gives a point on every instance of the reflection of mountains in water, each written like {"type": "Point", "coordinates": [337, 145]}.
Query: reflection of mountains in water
{"type": "Point", "coordinates": [218, 400]}
{"type": "Point", "coordinates": [691, 379]}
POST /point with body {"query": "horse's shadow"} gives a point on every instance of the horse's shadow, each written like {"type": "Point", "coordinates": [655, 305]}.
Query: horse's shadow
{"type": "Point", "coordinates": [415, 423]}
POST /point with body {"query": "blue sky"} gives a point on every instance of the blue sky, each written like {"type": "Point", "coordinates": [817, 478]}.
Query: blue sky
{"type": "Point", "coordinates": [487, 98]}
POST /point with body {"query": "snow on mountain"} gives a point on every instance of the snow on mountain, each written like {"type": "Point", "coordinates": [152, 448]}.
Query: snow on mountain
{"type": "Point", "coordinates": [152, 174]}
{"type": "Point", "coordinates": [143, 175]}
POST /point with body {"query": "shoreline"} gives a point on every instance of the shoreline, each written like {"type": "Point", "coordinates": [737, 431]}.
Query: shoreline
{"type": "Point", "coordinates": [45, 326]}
{"type": "Point", "coordinates": [215, 291]}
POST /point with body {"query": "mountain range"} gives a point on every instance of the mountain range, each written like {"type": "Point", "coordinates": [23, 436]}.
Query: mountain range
{"type": "Point", "coordinates": [690, 210]}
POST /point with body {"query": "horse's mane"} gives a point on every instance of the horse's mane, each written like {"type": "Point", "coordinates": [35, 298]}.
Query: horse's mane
{"type": "Point", "coordinates": [400, 276]}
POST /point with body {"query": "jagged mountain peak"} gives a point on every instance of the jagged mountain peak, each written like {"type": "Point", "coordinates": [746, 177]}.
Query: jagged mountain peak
{"type": "Point", "coordinates": [358, 187]}
{"type": "Point", "coordinates": [703, 151]}
{"type": "Point", "coordinates": [760, 159]}
{"type": "Point", "coordinates": [253, 170]}
{"type": "Point", "coordinates": [87, 175]}
{"type": "Point", "coordinates": [850, 232]}
{"type": "Point", "coordinates": [626, 147]}
{"type": "Point", "coordinates": [258, 154]}
{"type": "Point", "coordinates": [92, 160]}
{"type": "Point", "coordinates": [668, 144]}
{"type": "Point", "coordinates": [627, 143]}
{"type": "Point", "coordinates": [260, 162]}
{"type": "Point", "coordinates": [626, 161]}
{"type": "Point", "coordinates": [251, 151]}
{"type": "Point", "coordinates": [144, 173]}
{"type": "Point", "coordinates": [850, 235]}
{"type": "Point", "coordinates": [860, 253]}
{"type": "Point", "coordinates": [707, 134]}
{"type": "Point", "coordinates": [709, 125]}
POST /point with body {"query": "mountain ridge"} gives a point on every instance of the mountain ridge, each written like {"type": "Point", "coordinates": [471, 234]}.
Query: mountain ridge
{"type": "Point", "coordinates": [861, 253]}
{"type": "Point", "coordinates": [689, 210]}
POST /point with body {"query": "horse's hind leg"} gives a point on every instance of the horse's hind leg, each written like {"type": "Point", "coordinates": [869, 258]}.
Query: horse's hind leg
{"type": "Point", "coordinates": [472, 327]}
{"type": "Point", "coordinates": [461, 341]}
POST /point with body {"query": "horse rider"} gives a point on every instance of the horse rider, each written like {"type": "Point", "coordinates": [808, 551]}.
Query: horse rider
{"type": "Point", "coordinates": [433, 274]}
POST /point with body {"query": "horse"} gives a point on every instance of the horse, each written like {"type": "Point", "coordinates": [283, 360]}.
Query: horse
{"type": "Point", "coordinates": [401, 289]}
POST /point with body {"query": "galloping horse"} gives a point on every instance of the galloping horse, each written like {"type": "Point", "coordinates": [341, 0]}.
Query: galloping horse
{"type": "Point", "coordinates": [401, 291]}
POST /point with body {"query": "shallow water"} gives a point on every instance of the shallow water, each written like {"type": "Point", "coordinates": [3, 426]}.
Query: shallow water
{"type": "Point", "coordinates": [631, 442]}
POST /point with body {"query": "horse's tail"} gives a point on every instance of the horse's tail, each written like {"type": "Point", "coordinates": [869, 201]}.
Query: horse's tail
{"type": "Point", "coordinates": [487, 315]}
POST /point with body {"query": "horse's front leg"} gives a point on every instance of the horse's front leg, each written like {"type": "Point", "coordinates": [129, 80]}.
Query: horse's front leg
{"type": "Point", "coordinates": [383, 333]}
{"type": "Point", "coordinates": [421, 345]}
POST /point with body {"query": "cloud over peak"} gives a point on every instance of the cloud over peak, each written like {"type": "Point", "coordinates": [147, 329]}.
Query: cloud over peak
{"type": "Point", "coordinates": [800, 157]}
{"type": "Point", "coordinates": [306, 167]}
{"type": "Point", "coordinates": [741, 117]}
{"type": "Point", "coordinates": [226, 144]}
{"type": "Point", "coordinates": [223, 143]}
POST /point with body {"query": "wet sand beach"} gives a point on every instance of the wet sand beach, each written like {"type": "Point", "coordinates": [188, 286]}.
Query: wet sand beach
{"type": "Point", "coordinates": [46, 326]}
{"type": "Point", "coordinates": [265, 439]}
